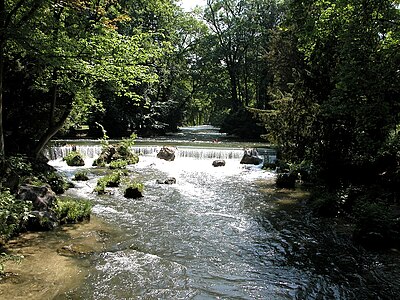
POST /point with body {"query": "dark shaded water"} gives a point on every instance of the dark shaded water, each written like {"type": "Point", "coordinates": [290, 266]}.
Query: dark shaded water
{"type": "Point", "coordinates": [222, 233]}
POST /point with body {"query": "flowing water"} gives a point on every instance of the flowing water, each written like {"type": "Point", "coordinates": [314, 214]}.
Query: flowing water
{"type": "Point", "coordinates": [219, 233]}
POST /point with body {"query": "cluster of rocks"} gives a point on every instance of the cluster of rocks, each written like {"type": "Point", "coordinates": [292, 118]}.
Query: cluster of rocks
{"type": "Point", "coordinates": [168, 153]}
{"type": "Point", "coordinates": [250, 156]}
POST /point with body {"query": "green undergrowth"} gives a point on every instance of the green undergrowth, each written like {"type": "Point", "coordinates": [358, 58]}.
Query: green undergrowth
{"type": "Point", "coordinates": [14, 215]}
{"type": "Point", "coordinates": [17, 216]}
{"type": "Point", "coordinates": [20, 169]}
{"type": "Point", "coordinates": [69, 210]}
{"type": "Point", "coordinates": [118, 164]}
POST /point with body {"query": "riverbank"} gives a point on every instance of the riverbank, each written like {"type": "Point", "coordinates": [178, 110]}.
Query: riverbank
{"type": "Point", "coordinates": [51, 263]}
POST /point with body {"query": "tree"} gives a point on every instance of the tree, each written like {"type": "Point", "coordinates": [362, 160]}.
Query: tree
{"type": "Point", "coordinates": [73, 45]}
{"type": "Point", "coordinates": [242, 29]}
{"type": "Point", "coordinates": [345, 57]}
{"type": "Point", "coordinates": [15, 18]}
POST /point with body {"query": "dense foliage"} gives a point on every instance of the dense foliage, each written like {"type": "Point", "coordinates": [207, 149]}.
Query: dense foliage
{"type": "Point", "coordinates": [13, 215]}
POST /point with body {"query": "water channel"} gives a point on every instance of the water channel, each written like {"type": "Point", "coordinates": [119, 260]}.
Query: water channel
{"type": "Point", "coordinates": [218, 233]}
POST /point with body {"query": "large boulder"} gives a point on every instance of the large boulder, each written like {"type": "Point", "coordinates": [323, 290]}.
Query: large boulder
{"type": "Point", "coordinates": [250, 157]}
{"type": "Point", "coordinates": [167, 153]}
{"type": "Point", "coordinates": [218, 163]}
{"type": "Point", "coordinates": [42, 197]}
{"type": "Point", "coordinates": [42, 216]}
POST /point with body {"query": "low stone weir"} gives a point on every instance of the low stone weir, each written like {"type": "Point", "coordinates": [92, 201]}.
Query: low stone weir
{"type": "Point", "coordinates": [93, 151]}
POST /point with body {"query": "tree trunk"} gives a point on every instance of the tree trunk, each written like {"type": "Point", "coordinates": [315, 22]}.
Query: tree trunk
{"type": "Point", "coordinates": [234, 91]}
{"type": "Point", "coordinates": [2, 152]}
{"type": "Point", "coordinates": [53, 128]}
{"type": "Point", "coordinates": [2, 44]}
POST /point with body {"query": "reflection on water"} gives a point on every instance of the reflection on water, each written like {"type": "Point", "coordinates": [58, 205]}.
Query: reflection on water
{"type": "Point", "coordinates": [223, 233]}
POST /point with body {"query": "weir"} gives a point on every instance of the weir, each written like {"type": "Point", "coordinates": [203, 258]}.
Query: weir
{"type": "Point", "coordinates": [93, 151]}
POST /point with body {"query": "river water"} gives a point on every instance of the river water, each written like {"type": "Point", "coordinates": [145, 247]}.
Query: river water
{"type": "Point", "coordinates": [219, 233]}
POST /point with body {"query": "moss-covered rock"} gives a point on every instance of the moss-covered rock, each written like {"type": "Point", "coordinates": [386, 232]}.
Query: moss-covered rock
{"type": "Point", "coordinates": [167, 153]}
{"type": "Point", "coordinates": [110, 180]}
{"type": "Point", "coordinates": [134, 190]}
{"type": "Point", "coordinates": [74, 159]}
{"type": "Point", "coordinates": [119, 152]}
{"type": "Point", "coordinates": [18, 170]}
{"type": "Point", "coordinates": [81, 176]}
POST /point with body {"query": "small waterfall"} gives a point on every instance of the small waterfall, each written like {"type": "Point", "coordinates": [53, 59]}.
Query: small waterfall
{"type": "Point", "coordinates": [146, 150]}
{"type": "Point", "coordinates": [93, 151]}
{"type": "Point", "coordinates": [57, 152]}
{"type": "Point", "coordinates": [210, 153]}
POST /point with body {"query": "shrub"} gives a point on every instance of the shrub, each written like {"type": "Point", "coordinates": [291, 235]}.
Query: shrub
{"type": "Point", "coordinates": [74, 159]}
{"type": "Point", "coordinates": [119, 152]}
{"type": "Point", "coordinates": [118, 164]}
{"type": "Point", "coordinates": [325, 204]}
{"type": "Point", "coordinates": [70, 210]}
{"type": "Point", "coordinates": [13, 170]}
{"type": "Point", "coordinates": [372, 217]}
{"type": "Point", "coordinates": [20, 164]}
{"type": "Point", "coordinates": [100, 188]}
{"type": "Point", "coordinates": [14, 214]}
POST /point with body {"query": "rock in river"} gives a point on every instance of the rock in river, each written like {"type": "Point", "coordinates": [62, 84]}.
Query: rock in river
{"type": "Point", "coordinates": [167, 153]}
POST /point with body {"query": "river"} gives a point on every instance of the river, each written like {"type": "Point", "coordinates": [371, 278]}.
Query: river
{"type": "Point", "coordinates": [219, 233]}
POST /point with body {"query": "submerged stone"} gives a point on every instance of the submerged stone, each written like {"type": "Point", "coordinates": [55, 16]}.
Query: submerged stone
{"type": "Point", "coordinates": [170, 180]}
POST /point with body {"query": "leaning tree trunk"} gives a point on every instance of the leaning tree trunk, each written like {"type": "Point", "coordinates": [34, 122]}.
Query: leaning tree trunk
{"type": "Point", "coordinates": [54, 126]}
{"type": "Point", "coordinates": [50, 132]}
